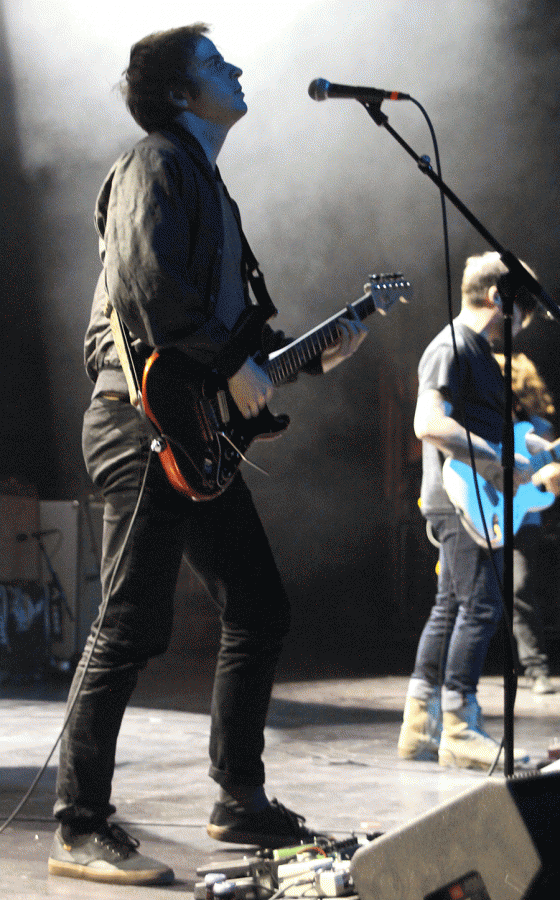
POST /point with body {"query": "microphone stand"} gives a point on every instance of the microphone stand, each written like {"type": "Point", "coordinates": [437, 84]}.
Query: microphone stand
{"type": "Point", "coordinates": [56, 595]}
{"type": "Point", "coordinates": [517, 277]}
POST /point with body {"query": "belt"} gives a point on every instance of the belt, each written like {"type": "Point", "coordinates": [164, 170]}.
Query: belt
{"type": "Point", "coordinates": [114, 395]}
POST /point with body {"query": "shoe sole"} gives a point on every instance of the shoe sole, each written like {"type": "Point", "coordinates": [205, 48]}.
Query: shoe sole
{"type": "Point", "coordinates": [450, 761]}
{"type": "Point", "coordinates": [270, 841]}
{"type": "Point", "coordinates": [421, 754]}
{"type": "Point", "coordinates": [116, 876]}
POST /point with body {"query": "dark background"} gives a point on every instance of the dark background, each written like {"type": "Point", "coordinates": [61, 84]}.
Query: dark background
{"type": "Point", "coordinates": [327, 197]}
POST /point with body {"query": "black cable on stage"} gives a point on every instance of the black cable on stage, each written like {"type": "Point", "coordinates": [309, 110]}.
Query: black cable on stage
{"type": "Point", "coordinates": [102, 611]}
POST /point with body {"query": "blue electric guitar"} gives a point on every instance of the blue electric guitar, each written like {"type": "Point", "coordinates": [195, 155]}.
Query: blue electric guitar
{"type": "Point", "coordinates": [459, 482]}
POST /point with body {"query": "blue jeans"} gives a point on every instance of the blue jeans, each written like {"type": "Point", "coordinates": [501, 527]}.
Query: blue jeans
{"type": "Point", "coordinates": [225, 544]}
{"type": "Point", "coordinates": [465, 615]}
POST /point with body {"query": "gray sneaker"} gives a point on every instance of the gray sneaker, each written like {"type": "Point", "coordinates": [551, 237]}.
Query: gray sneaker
{"type": "Point", "coordinates": [108, 855]}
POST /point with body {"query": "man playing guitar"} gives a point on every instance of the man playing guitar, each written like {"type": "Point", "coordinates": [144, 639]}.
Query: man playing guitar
{"type": "Point", "coordinates": [442, 718]}
{"type": "Point", "coordinates": [175, 268]}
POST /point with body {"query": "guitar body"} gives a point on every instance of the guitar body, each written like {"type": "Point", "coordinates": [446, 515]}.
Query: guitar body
{"type": "Point", "coordinates": [203, 433]}
{"type": "Point", "coordinates": [459, 482]}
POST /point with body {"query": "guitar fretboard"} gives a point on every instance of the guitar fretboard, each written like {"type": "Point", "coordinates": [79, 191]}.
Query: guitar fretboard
{"type": "Point", "coordinates": [285, 363]}
{"type": "Point", "coordinates": [295, 356]}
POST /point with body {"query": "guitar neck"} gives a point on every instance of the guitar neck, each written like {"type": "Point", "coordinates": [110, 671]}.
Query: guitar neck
{"type": "Point", "coordinates": [381, 293]}
{"type": "Point", "coordinates": [287, 362]}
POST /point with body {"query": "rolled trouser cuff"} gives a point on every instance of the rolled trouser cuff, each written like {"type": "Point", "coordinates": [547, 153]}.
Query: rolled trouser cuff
{"type": "Point", "coordinates": [451, 700]}
{"type": "Point", "coordinates": [420, 689]}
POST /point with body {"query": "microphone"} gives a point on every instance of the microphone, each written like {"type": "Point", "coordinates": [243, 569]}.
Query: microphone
{"type": "Point", "coordinates": [36, 534]}
{"type": "Point", "coordinates": [321, 89]}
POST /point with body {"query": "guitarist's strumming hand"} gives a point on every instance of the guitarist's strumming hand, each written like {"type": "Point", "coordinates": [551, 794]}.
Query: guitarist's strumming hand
{"type": "Point", "coordinates": [352, 333]}
{"type": "Point", "coordinates": [548, 477]}
{"type": "Point", "coordinates": [492, 471]}
{"type": "Point", "coordinates": [433, 422]}
{"type": "Point", "coordinates": [250, 389]}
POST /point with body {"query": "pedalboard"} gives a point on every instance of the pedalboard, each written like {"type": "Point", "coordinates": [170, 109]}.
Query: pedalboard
{"type": "Point", "coordinates": [307, 870]}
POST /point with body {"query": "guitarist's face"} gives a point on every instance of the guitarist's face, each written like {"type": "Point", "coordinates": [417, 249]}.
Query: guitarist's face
{"type": "Point", "coordinates": [495, 327]}
{"type": "Point", "coordinates": [219, 99]}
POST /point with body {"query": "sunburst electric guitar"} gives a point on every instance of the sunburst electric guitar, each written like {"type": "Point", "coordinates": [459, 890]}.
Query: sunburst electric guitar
{"type": "Point", "coordinates": [459, 482]}
{"type": "Point", "coordinates": [202, 436]}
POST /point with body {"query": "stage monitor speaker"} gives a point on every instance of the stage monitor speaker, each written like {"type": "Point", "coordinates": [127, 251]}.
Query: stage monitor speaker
{"type": "Point", "coordinates": [496, 842]}
{"type": "Point", "coordinates": [75, 557]}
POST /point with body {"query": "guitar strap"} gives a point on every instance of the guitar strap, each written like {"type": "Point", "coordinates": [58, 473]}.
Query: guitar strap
{"type": "Point", "coordinates": [256, 280]}
{"type": "Point", "coordinates": [123, 346]}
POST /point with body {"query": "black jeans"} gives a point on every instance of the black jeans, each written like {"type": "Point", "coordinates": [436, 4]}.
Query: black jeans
{"type": "Point", "coordinates": [225, 544]}
{"type": "Point", "coordinates": [528, 626]}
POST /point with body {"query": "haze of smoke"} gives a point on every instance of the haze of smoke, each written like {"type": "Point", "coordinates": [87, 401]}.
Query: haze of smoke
{"type": "Point", "coordinates": [327, 197]}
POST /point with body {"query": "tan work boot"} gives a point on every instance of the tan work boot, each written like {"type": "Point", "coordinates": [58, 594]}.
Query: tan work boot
{"type": "Point", "coordinates": [420, 730]}
{"type": "Point", "coordinates": [464, 743]}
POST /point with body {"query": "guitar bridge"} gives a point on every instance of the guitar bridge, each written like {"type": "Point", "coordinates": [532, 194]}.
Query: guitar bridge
{"type": "Point", "coordinates": [241, 455]}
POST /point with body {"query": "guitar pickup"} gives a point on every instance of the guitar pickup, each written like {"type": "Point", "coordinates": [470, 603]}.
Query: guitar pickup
{"type": "Point", "coordinates": [223, 407]}
{"type": "Point", "coordinates": [491, 493]}
{"type": "Point", "coordinates": [216, 410]}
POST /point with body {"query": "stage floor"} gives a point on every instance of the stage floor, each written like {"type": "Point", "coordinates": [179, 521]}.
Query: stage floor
{"type": "Point", "coordinates": [330, 755]}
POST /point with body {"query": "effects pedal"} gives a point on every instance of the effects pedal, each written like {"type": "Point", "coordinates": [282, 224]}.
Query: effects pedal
{"type": "Point", "coordinates": [306, 870]}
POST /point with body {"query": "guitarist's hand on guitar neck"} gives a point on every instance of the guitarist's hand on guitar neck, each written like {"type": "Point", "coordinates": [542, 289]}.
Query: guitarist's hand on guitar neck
{"type": "Point", "coordinates": [548, 477]}
{"type": "Point", "coordinates": [352, 333]}
{"type": "Point", "coordinates": [537, 441]}
{"type": "Point", "coordinates": [250, 389]}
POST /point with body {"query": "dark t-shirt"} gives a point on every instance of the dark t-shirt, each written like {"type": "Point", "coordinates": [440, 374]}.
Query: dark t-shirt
{"type": "Point", "coordinates": [475, 389]}
{"type": "Point", "coordinates": [231, 299]}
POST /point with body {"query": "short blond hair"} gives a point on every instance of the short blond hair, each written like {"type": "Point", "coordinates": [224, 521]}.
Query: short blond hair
{"type": "Point", "coordinates": [483, 272]}
{"type": "Point", "coordinates": [480, 274]}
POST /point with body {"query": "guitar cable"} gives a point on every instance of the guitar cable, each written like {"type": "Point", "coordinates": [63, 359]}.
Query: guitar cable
{"type": "Point", "coordinates": [93, 644]}
{"type": "Point", "coordinates": [507, 619]}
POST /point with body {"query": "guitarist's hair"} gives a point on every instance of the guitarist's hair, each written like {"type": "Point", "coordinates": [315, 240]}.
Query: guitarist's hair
{"type": "Point", "coordinates": [158, 64]}
{"type": "Point", "coordinates": [531, 396]}
{"type": "Point", "coordinates": [483, 272]}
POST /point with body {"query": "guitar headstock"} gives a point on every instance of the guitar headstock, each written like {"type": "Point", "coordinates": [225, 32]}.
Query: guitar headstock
{"type": "Point", "coordinates": [387, 289]}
